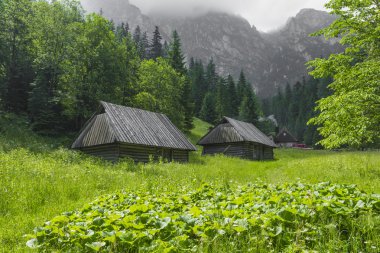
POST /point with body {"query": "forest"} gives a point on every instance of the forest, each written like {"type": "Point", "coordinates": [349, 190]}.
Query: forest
{"type": "Point", "coordinates": [57, 63]}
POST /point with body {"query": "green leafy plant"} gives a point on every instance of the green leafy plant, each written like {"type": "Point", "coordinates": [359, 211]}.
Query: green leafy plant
{"type": "Point", "coordinates": [253, 217]}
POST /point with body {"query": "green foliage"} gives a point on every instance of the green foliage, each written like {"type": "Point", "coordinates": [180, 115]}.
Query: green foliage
{"type": "Point", "coordinates": [198, 84]}
{"type": "Point", "coordinates": [350, 116]}
{"type": "Point", "coordinates": [39, 181]}
{"type": "Point", "coordinates": [104, 65]}
{"type": "Point", "coordinates": [51, 32]}
{"type": "Point", "coordinates": [249, 109]}
{"type": "Point", "coordinates": [215, 96]}
{"type": "Point", "coordinates": [177, 61]}
{"type": "Point", "coordinates": [257, 216]}
{"type": "Point", "coordinates": [15, 59]}
{"type": "Point", "coordinates": [165, 86]}
{"type": "Point", "coordinates": [208, 111]}
{"type": "Point", "coordinates": [80, 59]}
{"type": "Point", "coordinates": [156, 46]}
{"type": "Point", "coordinates": [293, 107]}
{"type": "Point", "coordinates": [175, 55]}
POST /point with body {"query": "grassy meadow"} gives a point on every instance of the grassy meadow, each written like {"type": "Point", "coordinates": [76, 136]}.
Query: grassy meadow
{"type": "Point", "coordinates": [40, 178]}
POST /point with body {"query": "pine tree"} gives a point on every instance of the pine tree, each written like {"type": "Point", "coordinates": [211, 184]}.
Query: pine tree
{"type": "Point", "coordinates": [198, 84]}
{"type": "Point", "coordinates": [188, 106]}
{"type": "Point", "coordinates": [241, 87]}
{"type": "Point", "coordinates": [211, 76]}
{"type": "Point", "coordinates": [143, 46]}
{"type": "Point", "coordinates": [137, 35]}
{"type": "Point", "coordinates": [208, 112]}
{"type": "Point", "coordinates": [222, 98]}
{"type": "Point", "coordinates": [156, 46]}
{"type": "Point", "coordinates": [126, 28]}
{"type": "Point", "coordinates": [249, 110]}
{"type": "Point", "coordinates": [233, 101]}
{"type": "Point", "coordinates": [176, 58]}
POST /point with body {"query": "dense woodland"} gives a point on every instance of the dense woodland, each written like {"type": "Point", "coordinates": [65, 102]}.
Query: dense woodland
{"type": "Point", "coordinates": [293, 106]}
{"type": "Point", "coordinates": [56, 63]}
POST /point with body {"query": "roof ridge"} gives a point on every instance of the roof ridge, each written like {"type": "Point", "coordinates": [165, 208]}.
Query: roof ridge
{"type": "Point", "coordinates": [144, 127]}
{"type": "Point", "coordinates": [229, 121]}
{"type": "Point", "coordinates": [129, 107]}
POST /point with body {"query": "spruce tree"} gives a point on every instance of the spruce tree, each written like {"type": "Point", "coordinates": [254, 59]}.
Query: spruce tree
{"type": "Point", "coordinates": [137, 35]}
{"type": "Point", "coordinates": [188, 106]}
{"type": "Point", "coordinates": [156, 46]}
{"type": "Point", "coordinates": [241, 87]}
{"type": "Point", "coordinates": [249, 109]}
{"type": "Point", "coordinates": [176, 58]}
{"type": "Point", "coordinates": [198, 81]}
{"type": "Point", "coordinates": [208, 112]}
{"type": "Point", "coordinates": [165, 50]}
{"type": "Point", "coordinates": [211, 76]}
{"type": "Point", "coordinates": [143, 46]}
{"type": "Point", "coordinates": [222, 98]}
{"type": "Point", "coordinates": [233, 101]}
{"type": "Point", "coordinates": [126, 28]}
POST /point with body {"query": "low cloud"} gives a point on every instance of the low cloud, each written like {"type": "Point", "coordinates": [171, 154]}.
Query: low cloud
{"type": "Point", "coordinates": [264, 14]}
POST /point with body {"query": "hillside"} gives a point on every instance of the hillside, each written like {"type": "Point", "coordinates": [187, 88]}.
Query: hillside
{"type": "Point", "coordinates": [270, 60]}
{"type": "Point", "coordinates": [40, 178]}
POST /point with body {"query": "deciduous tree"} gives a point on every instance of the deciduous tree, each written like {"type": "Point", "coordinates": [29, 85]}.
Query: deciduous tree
{"type": "Point", "coordinates": [351, 115]}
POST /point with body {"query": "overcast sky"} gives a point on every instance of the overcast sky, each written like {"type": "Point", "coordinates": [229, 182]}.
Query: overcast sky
{"type": "Point", "coordinates": [266, 15]}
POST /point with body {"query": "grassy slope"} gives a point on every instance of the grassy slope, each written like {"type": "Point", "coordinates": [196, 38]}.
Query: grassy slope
{"type": "Point", "coordinates": [41, 180]}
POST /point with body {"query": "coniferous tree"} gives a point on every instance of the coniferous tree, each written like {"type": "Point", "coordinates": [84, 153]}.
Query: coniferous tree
{"type": "Point", "coordinates": [199, 86]}
{"type": "Point", "coordinates": [187, 105]}
{"type": "Point", "coordinates": [249, 110]}
{"type": "Point", "coordinates": [126, 28]}
{"type": "Point", "coordinates": [143, 46]}
{"type": "Point", "coordinates": [176, 60]}
{"type": "Point", "coordinates": [156, 46]}
{"type": "Point", "coordinates": [233, 101]}
{"type": "Point", "coordinates": [175, 55]}
{"type": "Point", "coordinates": [222, 98]}
{"type": "Point", "coordinates": [241, 85]}
{"type": "Point", "coordinates": [208, 112]}
{"type": "Point", "coordinates": [211, 76]}
{"type": "Point", "coordinates": [165, 50]}
{"type": "Point", "coordinates": [137, 35]}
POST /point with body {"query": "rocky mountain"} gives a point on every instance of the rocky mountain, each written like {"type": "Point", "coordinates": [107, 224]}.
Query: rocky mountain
{"type": "Point", "coordinates": [119, 11]}
{"type": "Point", "coordinates": [269, 60]}
{"type": "Point", "coordinates": [293, 47]}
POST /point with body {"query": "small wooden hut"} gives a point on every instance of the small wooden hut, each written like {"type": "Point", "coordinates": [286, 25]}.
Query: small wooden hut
{"type": "Point", "coordinates": [236, 138]}
{"type": "Point", "coordinates": [285, 139]}
{"type": "Point", "coordinates": [116, 132]}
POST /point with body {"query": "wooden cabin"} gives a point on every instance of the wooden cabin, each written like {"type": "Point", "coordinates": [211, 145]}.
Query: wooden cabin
{"type": "Point", "coordinates": [285, 139]}
{"type": "Point", "coordinates": [236, 138]}
{"type": "Point", "coordinates": [117, 131]}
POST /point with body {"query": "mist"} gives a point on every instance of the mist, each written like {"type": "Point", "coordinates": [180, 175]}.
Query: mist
{"type": "Point", "coordinates": [265, 15]}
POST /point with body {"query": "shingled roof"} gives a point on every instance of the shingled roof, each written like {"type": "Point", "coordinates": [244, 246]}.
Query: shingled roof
{"type": "Point", "coordinates": [134, 126]}
{"type": "Point", "coordinates": [285, 136]}
{"type": "Point", "coordinates": [231, 130]}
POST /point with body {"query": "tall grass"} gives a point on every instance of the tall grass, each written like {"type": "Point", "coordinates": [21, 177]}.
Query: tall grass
{"type": "Point", "coordinates": [40, 178]}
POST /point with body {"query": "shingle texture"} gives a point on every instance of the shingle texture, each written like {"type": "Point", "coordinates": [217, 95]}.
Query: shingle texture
{"type": "Point", "coordinates": [285, 137]}
{"type": "Point", "coordinates": [130, 125]}
{"type": "Point", "coordinates": [231, 130]}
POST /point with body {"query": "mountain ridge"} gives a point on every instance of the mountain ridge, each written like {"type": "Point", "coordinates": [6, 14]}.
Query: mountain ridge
{"type": "Point", "coordinates": [269, 60]}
